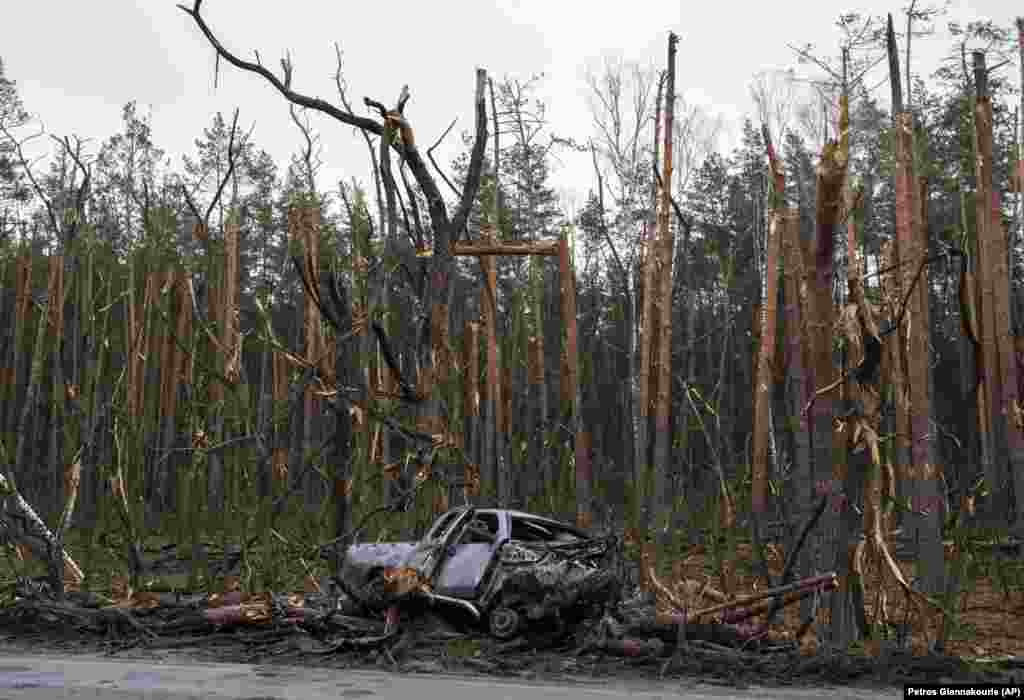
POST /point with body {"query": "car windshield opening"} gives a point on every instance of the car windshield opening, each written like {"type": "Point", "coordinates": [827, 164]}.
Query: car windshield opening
{"type": "Point", "coordinates": [442, 524]}
{"type": "Point", "coordinates": [483, 529]}
{"type": "Point", "coordinates": [528, 531]}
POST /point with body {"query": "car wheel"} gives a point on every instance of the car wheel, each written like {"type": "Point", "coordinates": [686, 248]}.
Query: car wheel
{"type": "Point", "coordinates": [504, 623]}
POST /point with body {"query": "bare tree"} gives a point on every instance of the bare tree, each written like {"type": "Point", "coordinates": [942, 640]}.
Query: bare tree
{"type": "Point", "coordinates": [434, 349]}
{"type": "Point", "coordinates": [621, 101]}
{"type": "Point", "coordinates": [775, 95]}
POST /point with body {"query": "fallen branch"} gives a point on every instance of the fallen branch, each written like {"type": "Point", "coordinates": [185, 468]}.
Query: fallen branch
{"type": "Point", "coordinates": [765, 606]}
{"type": "Point", "coordinates": [549, 248]}
{"type": "Point", "coordinates": [34, 526]}
{"type": "Point", "coordinates": [787, 570]}
{"type": "Point", "coordinates": [825, 582]}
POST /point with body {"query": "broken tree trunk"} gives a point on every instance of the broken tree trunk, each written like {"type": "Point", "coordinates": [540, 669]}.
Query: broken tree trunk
{"type": "Point", "coordinates": [828, 445]}
{"type": "Point", "coordinates": [492, 387]}
{"type": "Point", "coordinates": [345, 369]}
{"type": "Point", "coordinates": [22, 297]}
{"type": "Point", "coordinates": [766, 361]}
{"type": "Point", "coordinates": [540, 455]}
{"type": "Point", "coordinates": [999, 367]}
{"type": "Point", "coordinates": [571, 401]}
{"type": "Point", "coordinates": [646, 347]}
{"type": "Point", "coordinates": [58, 415]}
{"type": "Point", "coordinates": [471, 403]}
{"type": "Point", "coordinates": [662, 496]}
{"type": "Point", "coordinates": [57, 560]}
{"type": "Point", "coordinates": [796, 363]}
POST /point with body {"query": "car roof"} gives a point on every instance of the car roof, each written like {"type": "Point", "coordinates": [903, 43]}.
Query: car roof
{"type": "Point", "coordinates": [530, 516]}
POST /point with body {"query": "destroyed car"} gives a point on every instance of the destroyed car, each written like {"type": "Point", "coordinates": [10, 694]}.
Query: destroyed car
{"type": "Point", "coordinates": [505, 569]}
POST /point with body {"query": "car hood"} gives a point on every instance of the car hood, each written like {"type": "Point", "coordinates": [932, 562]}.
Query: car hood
{"type": "Point", "coordinates": [363, 559]}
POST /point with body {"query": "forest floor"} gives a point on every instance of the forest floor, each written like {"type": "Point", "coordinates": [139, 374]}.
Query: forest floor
{"type": "Point", "coordinates": [989, 625]}
{"type": "Point", "coordinates": [987, 644]}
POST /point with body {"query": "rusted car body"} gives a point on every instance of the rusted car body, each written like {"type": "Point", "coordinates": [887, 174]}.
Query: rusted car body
{"type": "Point", "coordinates": [503, 567]}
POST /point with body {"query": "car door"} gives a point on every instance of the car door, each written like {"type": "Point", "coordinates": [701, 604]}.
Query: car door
{"type": "Point", "coordinates": [469, 557]}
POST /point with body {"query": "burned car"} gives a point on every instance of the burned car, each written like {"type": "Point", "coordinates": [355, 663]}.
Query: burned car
{"type": "Point", "coordinates": [505, 569]}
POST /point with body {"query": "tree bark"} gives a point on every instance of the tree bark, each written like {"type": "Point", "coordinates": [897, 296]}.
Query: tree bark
{"type": "Point", "coordinates": [584, 473]}
{"type": "Point", "coordinates": [798, 393]}
{"type": "Point", "coordinates": [471, 401]}
{"type": "Point", "coordinates": [998, 364]}
{"type": "Point", "coordinates": [490, 469]}
{"type": "Point", "coordinates": [829, 448]}
{"type": "Point", "coordinates": [662, 499]}
{"type": "Point", "coordinates": [766, 362]}
{"type": "Point", "coordinates": [647, 347]}
{"type": "Point", "coordinates": [540, 454]}
{"type": "Point", "coordinates": [998, 357]}
{"type": "Point", "coordinates": [926, 470]}
{"type": "Point", "coordinates": [346, 365]}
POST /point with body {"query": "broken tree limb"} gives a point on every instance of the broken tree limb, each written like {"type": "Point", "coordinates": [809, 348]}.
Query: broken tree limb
{"type": "Point", "coordinates": [203, 220]}
{"type": "Point", "coordinates": [785, 600]}
{"type": "Point", "coordinates": [825, 582]}
{"type": "Point", "coordinates": [445, 227]}
{"type": "Point", "coordinates": [408, 391]}
{"type": "Point", "coordinates": [35, 527]}
{"type": "Point", "coordinates": [549, 248]}
{"type": "Point", "coordinates": [791, 558]}
{"type": "Point", "coordinates": [283, 87]}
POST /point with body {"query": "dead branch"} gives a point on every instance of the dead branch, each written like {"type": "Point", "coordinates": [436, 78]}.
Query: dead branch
{"type": "Point", "coordinates": [603, 224]}
{"type": "Point", "coordinates": [408, 392]}
{"type": "Point", "coordinates": [76, 155]}
{"type": "Point", "coordinates": [415, 207]}
{"type": "Point", "coordinates": [549, 248]}
{"type": "Point", "coordinates": [308, 156]}
{"type": "Point", "coordinates": [339, 82]}
{"type": "Point", "coordinates": [430, 155]}
{"type": "Point", "coordinates": [443, 226]}
{"type": "Point", "coordinates": [398, 503]}
{"type": "Point", "coordinates": [314, 294]}
{"type": "Point", "coordinates": [204, 220]}
{"type": "Point", "coordinates": [824, 582]}
{"type": "Point", "coordinates": [284, 88]}
{"type": "Point", "coordinates": [791, 557]}
{"type": "Point", "coordinates": [81, 192]}
{"type": "Point", "coordinates": [35, 527]}
{"type": "Point", "coordinates": [476, 160]}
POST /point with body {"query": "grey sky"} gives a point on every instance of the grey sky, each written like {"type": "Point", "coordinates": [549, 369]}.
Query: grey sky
{"type": "Point", "coordinates": [77, 63]}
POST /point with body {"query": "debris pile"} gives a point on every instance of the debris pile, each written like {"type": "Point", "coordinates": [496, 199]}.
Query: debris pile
{"type": "Point", "coordinates": [512, 579]}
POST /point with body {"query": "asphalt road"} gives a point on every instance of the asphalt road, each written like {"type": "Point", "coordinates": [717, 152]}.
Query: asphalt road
{"type": "Point", "coordinates": [51, 677]}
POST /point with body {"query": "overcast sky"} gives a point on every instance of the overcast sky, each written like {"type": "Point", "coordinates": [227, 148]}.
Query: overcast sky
{"type": "Point", "coordinates": [77, 63]}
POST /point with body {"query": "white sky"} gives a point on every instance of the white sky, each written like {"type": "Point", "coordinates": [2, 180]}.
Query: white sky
{"type": "Point", "coordinates": [77, 63]}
